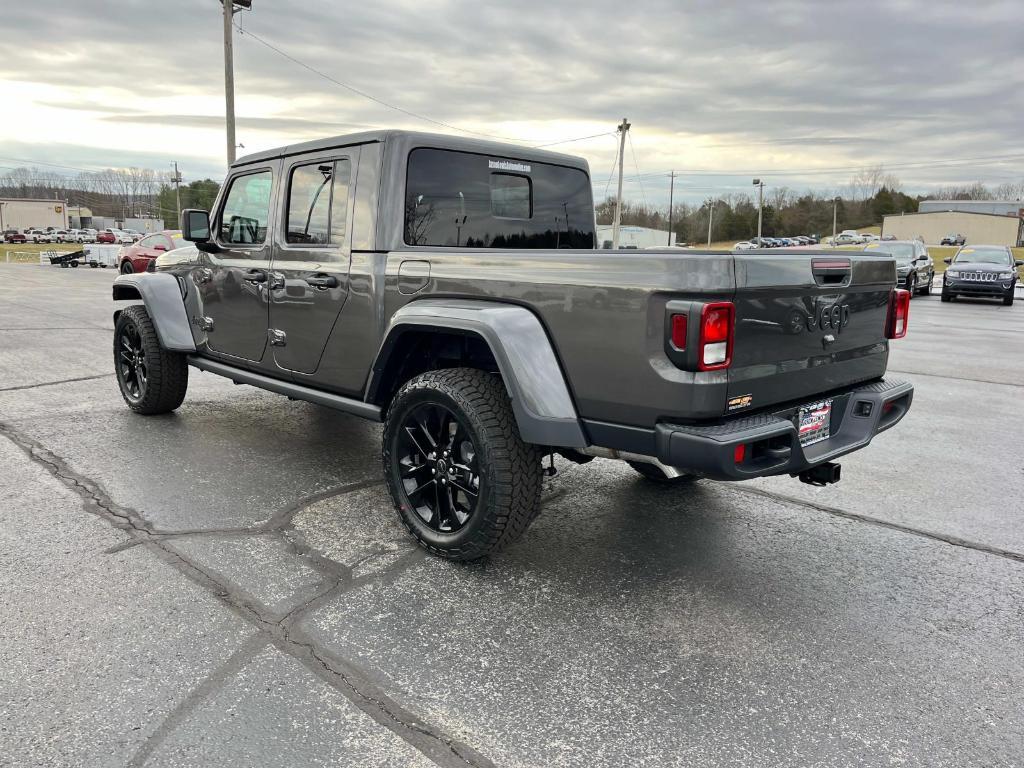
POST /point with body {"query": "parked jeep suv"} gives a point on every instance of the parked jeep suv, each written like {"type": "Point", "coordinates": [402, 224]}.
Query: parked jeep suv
{"type": "Point", "coordinates": [450, 289]}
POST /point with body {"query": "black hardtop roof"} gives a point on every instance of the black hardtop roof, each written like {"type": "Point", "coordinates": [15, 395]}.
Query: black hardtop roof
{"type": "Point", "coordinates": [412, 139]}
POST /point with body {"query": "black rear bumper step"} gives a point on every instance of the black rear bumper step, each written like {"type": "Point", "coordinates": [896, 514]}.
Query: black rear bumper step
{"type": "Point", "coordinates": [771, 440]}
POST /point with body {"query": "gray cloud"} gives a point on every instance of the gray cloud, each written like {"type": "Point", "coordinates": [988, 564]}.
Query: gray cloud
{"type": "Point", "coordinates": [785, 82]}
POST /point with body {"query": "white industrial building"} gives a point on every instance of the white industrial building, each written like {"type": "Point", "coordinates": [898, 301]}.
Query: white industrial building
{"type": "Point", "coordinates": [634, 237]}
{"type": "Point", "coordinates": [995, 207]}
{"type": "Point", "coordinates": [976, 227]}
{"type": "Point", "coordinates": [22, 213]}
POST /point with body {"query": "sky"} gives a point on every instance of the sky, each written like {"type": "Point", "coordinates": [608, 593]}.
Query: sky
{"type": "Point", "coordinates": [801, 94]}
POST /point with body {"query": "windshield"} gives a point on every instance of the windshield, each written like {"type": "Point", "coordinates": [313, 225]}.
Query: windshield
{"type": "Point", "coordinates": [983, 256]}
{"type": "Point", "coordinates": [899, 251]}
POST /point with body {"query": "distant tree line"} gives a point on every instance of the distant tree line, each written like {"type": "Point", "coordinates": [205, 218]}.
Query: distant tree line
{"type": "Point", "coordinates": [117, 193]}
{"type": "Point", "coordinates": [870, 196]}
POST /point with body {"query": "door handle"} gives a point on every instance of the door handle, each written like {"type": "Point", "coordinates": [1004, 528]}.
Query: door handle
{"type": "Point", "coordinates": [322, 281]}
{"type": "Point", "coordinates": [255, 276]}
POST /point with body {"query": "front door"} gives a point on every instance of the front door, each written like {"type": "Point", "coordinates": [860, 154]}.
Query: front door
{"type": "Point", "coordinates": [309, 273]}
{"type": "Point", "coordinates": [232, 282]}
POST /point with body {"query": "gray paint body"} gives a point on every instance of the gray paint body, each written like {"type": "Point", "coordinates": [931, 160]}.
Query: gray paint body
{"type": "Point", "coordinates": [579, 335]}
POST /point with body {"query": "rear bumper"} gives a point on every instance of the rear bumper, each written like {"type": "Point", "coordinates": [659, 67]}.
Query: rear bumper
{"type": "Point", "coordinates": [770, 440]}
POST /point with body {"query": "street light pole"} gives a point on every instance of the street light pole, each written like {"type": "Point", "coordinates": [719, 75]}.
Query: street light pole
{"type": "Point", "coordinates": [760, 206]}
{"type": "Point", "coordinates": [229, 79]}
{"type": "Point", "coordinates": [671, 190]}
{"type": "Point", "coordinates": [835, 207]}
{"type": "Point", "coordinates": [711, 218]}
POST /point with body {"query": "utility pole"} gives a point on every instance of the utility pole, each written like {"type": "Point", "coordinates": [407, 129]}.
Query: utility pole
{"type": "Point", "coordinates": [177, 192]}
{"type": "Point", "coordinates": [671, 189]}
{"type": "Point", "coordinates": [622, 128]}
{"type": "Point", "coordinates": [229, 78]}
{"type": "Point", "coordinates": [711, 218]}
{"type": "Point", "coordinates": [760, 206]}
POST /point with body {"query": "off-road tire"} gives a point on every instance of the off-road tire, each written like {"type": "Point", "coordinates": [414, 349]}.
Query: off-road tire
{"type": "Point", "coordinates": [510, 469]}
{"type": "Point", "coordinates": [167, 372]}
{"type": "Point", "coordinates": [653, 473]}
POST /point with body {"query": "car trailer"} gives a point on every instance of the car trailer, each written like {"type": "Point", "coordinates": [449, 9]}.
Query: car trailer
{"type": "Point", "coordinates": [64, 259]}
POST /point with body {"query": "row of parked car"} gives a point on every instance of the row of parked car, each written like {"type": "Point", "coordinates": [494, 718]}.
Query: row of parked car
{"type": "Point", "coordinates": [54, 235]}
{"type": "Point", "coordinates": [776, 242]}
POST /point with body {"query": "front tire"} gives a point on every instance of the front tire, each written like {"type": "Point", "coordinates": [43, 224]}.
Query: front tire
{"type": "Point", "coordinates": [927, 289]}
{"type": "Point", "coordinates": [152, 379]}
{"type": "Point", "coordinates": [1008, 299]}
{"type": "Point", "coordinates": [463, 481]}
{"type": "Point", "coordinates": [912, 285]}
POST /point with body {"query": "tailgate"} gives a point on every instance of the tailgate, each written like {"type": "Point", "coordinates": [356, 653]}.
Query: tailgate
{"type": "Point", "coordinates": [807, 323]}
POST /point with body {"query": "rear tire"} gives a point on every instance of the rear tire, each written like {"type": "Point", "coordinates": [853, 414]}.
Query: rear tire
{"type": "Point", "coordinates": [126, 268]}
{"type": "Point", "coordinates": [152, 379]}
{"type": "Point", "coordinates": [463, 481]}
{"type": "Point", "coordinates": [653, 473]}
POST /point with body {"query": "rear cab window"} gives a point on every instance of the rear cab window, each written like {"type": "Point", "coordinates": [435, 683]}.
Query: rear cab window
{"type": "Point", "coordinates": [465, 200]}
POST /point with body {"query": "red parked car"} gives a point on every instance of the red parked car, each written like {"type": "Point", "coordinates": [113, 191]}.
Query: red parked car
{"type": "Point", "coordinates": [14, 236]}
{"type": "Point", "coordinates": [136, 258]}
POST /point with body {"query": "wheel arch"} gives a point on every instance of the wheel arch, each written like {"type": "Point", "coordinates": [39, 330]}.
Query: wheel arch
{"type": "Point", "coordinates": [505, 338]}
{"type": "Point", "coordinates": [161, 295]}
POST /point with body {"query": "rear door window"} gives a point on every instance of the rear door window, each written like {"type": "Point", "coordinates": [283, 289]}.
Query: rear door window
{"type": "Point", "coordinates": [464, 200]}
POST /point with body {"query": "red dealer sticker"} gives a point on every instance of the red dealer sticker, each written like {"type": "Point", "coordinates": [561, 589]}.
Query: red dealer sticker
{"type": "Point", "coordinates": [814, 422]}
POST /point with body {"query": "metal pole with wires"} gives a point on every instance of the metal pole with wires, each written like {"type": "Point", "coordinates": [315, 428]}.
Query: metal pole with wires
{"type": "Point", "coordinates": [760, 206]}
{"type": "Point", "coordinates": [623, 128]}
{"type": "Point", "coordinates": [229, 72]}
{"type": "Point", "coordinates": [177, 191]}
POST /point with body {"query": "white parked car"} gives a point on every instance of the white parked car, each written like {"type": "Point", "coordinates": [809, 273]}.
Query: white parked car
{"type": "Point", "coordinates": [134, 234]}
{"type": "Point", "coordinates": [87, 235]}
{"type": "Point", "coordinates": [60, 235]}
{"type": "Point", "coordinates": [869, 237]}
{"type": "Point", "coordinates": [745, 245]}
{"type": "Point", "coordinates": [35, 235]}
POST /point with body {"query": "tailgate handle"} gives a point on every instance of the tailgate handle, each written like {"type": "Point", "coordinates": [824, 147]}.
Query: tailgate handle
{"type": "Point", "coordinates": [831, 271]}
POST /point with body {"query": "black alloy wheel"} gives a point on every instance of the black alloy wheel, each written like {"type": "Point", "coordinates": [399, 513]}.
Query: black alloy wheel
{"type": "Point", "coordinates": [132, 370]}
{"type": "Point", "coordinates": [438, 467]}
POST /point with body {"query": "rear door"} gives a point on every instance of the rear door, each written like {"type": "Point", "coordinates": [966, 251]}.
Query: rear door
{"type": "Point", "coordinates": [312, 253]}
{"type": "Point", "coordinates": [807, 324]}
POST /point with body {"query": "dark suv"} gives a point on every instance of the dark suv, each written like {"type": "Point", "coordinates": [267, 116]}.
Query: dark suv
{"type": "Point", "coordinates": [984, 271]}
{"type": "Point", "coordinates": [914, 268]}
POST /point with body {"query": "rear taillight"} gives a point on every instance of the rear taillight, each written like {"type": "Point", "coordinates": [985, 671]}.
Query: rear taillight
{"type": "Point", "coordinates": [716, 334]}
{"type": "Point", "coordinates": [899, 314]}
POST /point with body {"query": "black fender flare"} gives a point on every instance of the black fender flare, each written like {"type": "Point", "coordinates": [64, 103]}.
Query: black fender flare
{"type": "Point", "coordinates": [161, 295]}
{"type": "Point", "coordinates": [541, 401]}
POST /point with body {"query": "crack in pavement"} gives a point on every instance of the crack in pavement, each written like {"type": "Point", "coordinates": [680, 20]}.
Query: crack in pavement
{"type": "Point", "coordinates": [55, 383]}
{"type": "Point", "coordinates": [348, 679]}
{"type": "Point", "coordinates": [944, 538]}
{"type": "Point", "coordinates": [197, 697]}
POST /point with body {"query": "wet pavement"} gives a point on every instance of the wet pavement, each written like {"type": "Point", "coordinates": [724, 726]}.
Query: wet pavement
{"type": "Point", "coordinates": [229, 585]}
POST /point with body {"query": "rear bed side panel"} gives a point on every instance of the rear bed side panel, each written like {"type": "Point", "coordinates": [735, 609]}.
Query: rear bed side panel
{"type": "Point", "coordinates": [796, 337]}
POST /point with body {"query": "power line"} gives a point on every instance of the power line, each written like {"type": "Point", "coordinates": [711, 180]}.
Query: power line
{"type": "Point", "coordinates": [615, 162]}
{"type": "Point", "coordinates": [570, 141]}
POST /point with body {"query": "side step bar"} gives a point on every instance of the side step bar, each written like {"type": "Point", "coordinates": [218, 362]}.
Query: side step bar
{"type": "Point", "coordinates": [288, 388]}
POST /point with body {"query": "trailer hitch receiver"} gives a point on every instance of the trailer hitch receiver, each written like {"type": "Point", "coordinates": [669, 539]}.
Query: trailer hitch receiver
{"type": "Point", "coordinates": [822, 474]}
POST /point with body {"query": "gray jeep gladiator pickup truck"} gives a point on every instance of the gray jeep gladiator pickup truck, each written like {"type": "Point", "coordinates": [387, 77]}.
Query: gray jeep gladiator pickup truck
{"type": "Point", "coordinates": [450, 288]}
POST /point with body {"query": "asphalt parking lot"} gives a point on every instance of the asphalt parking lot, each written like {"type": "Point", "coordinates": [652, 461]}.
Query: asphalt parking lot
{"type": "Point", "coordinates": [229, 585]}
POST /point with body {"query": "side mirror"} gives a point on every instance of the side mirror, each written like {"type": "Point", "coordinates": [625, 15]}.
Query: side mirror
{"type": "Point", "coordinates": [948, 260]}
{"type": "Point", "coordinates": [195, 225]}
